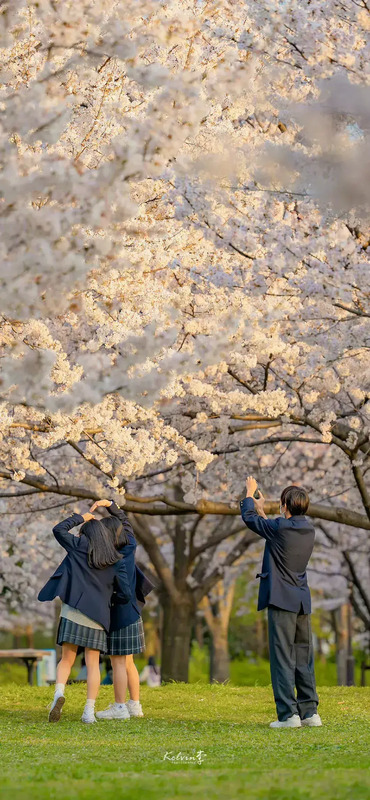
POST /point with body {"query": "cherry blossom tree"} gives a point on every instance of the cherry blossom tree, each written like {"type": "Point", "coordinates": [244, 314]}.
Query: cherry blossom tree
{"type": "Point", "coordinates": [184, 254]}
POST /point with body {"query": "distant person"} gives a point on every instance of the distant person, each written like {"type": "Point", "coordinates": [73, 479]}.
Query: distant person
{"type": "Point", "coordinates": [151, 673]}
{"type": "Point", "coordinates": [126, 633]}
{"type": "Point", "coordinates": [85, 582]}
{"type": "Point", "coordinates": [284, 591]}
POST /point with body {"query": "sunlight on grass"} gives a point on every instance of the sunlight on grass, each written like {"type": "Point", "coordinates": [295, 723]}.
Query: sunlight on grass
{"type": "Point", "coordinates": [157, 756]}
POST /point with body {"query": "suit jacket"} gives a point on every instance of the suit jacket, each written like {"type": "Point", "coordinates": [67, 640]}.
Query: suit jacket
{"type": "Point", "coordinates": [122, 613]}
{"type": "Point", "coordinates": [88, 589]}
{"type": "Point", "coordinates": [289, 544]}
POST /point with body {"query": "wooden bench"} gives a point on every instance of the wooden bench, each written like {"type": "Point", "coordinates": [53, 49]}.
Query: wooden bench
{"type": "Point", "coordinates": [29, 658]}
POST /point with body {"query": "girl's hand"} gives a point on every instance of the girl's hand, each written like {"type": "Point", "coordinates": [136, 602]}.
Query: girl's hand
{"type": "Point", "coordinates": [88, 516]}
{"type": "Point", "coordinates": [98, 503]}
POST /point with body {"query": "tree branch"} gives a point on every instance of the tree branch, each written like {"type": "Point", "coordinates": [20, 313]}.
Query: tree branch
{"type": "Point", "coordinates": [359, 478]}
{"type": "Point", "coordinates": [359, 612]}
{"type": "Point", "coordinates": [213, 578]}
{"type": "Point", "coordinates": [351, 310]}
{"type": "Point", "coordinates": [213, 540]}
{"type": "Point", "coordinates": [356, 580]}
{"type": "Point", "coordinates": [141, 505]}
{"type": "Point", "coordinates": [146, 538]}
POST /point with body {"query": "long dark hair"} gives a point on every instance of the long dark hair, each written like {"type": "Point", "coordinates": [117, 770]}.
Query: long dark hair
{"type": "Point", "coordinates": [117, 531]}
{"type": "Point", "coordinates": [102, 552]}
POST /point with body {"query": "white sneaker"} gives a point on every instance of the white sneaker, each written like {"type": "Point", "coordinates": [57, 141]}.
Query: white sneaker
{"type": "Point", "coordinates": [56, 708]}
{"type": "Point", "coordinates": [88, 715]}
{"type": "Point", "coordinates": [312, 722]}
{"type": "Point", "coordinates": [134, 708]}
{"type": "Point", "coordinates": [114, 712]}
{"type": "Point", "coordinates": [291, 722]}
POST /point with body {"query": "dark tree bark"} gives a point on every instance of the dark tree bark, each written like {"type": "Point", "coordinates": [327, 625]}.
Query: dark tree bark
{"type": "Point", "coordinates": [179, 599]}
{"type": "Point", "coordinates": [220, 658]}
{"type": "Point", "coordinates": [261, 636]}
{"type": "Point", "coordinates": [217, 616]}
{"type": "Point", "coordinates": [178, 620]}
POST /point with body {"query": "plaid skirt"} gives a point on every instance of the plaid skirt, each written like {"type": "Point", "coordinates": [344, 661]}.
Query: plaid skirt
{"type": "Point", "coordinates": [127, 640]}
{"type": "Point", "coordinates": [73, 633]}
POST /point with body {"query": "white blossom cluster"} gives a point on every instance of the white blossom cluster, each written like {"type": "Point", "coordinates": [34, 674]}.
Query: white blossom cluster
{"type": "Point", "coordinates": [184, 245]}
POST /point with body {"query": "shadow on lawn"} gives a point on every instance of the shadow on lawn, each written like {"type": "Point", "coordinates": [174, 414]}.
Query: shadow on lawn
{"type": "Point", "coordinates": [21, 716]}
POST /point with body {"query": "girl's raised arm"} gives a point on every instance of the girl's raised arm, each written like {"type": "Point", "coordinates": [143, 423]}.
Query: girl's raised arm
{"type": "Point", "coordinates": [118, 512]}
{"type": "Point", "coordinates": [123, 589]}
{"type": "Point", "coordinates": [61, 530]}
{"type": "Point", "coordinates": [115, 511]}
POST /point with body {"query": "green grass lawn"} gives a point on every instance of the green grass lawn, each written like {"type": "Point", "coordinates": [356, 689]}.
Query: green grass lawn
{"type": "Point", "coordinates": [256, 671]}
{"type": "Point", "coordinates": [242, 757]}
{"type": "Point", "coordinates": [243, 672]}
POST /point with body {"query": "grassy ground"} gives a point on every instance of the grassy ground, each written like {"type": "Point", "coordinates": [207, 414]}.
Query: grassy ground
{"type": "Point", "coordinates": [241, 756]}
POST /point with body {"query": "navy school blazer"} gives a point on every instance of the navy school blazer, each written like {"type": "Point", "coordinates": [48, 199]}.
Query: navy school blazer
{"type": "Point", "coordinates": [123, 613]}
{"type": "Point", "coordinates": [88, 589]}
{"type": "Point", "coordinates": [288, 548]}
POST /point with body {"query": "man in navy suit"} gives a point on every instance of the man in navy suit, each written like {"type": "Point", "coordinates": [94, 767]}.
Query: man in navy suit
{"type": "Point", "coordinates": [285, 593]}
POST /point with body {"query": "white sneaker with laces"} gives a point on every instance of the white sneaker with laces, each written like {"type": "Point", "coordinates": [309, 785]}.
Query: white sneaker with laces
{"type": "Point", "coordinates": [114, 711]}
{"type": "Point", "coordinates": [56, 708]}
{"type": "Point", "coordinates": [88, 715]}
{"type": "Point", "coordinates": [312, 722]}
{"type": "Point", "coordinates": [291, 722]}
{"type": "Point", "coordinates": [134, 708]}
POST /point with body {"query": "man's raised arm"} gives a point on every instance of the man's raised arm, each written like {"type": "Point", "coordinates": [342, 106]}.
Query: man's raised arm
{"type": "Point", "coordinates": [257, 523]}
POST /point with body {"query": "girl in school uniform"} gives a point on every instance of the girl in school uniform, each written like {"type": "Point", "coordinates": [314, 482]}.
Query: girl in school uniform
{"type": "Point", "coordinates": [126, 635]}
{"type": "Point", "coordinates": [85, 581]}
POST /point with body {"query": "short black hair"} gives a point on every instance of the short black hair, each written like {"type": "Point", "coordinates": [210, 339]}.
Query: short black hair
{"type": "Point", "coordinates": [295, 499]}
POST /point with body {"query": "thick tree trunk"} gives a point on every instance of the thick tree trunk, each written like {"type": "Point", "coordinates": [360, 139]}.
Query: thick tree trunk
{"type": "Point", "coordinates": [344, 656]}
{"type": "Point", "coordinates": [178, 619]}
{"type": "Point", "coordinates": [199, 635]}
{"type": "Point", "coordinates": [217, 620]}
{"type": "Point", "coordinates": [261, 637]}
{"type": "Point", "coordinates": [220, 671]}
{"type": "Point", "coordinates": [30, 636]}
{"type": "Point", "coordinates": [152, 641]}
{"type": "Point", "coordinates": [340, 645]}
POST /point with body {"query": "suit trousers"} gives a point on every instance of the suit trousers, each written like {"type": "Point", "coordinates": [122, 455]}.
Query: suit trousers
{"type": "Point", "coordinates": [292, 663]}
